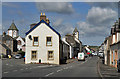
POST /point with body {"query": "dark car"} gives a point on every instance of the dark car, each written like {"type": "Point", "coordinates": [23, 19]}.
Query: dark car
{"type": "Point", "coordinates": [118, 65]}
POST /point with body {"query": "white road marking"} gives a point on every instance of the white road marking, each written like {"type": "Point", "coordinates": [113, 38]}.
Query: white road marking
{"type": "Point", "coordinates": [42, 66]}
{"type": "Point", "coordinates": [30, 68]}
{"type": "Point", "coordinates": [66, 68]}
{"type": "Point", "coordinates": [59, 70]}
{"type": "Point", "coordinates": [21, 69]}
{"type": "Point", "coordinates": [5, 72]}
{"type": "Point", "coordinates": [26, 68]}
{"type": "Point", "coordinates": [49, 74]}
{"type": "Point", "coordinates": [15, 70]}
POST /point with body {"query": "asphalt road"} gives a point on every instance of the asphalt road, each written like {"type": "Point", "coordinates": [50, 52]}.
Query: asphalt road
{"type": "Point", "coordinates": [16, 68]}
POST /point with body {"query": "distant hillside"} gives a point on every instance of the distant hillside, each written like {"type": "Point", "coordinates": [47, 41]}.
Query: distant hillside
{"type": "Point", "coordinates": [94, 47]}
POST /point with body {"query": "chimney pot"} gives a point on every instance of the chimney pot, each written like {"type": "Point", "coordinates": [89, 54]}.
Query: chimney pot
{"type": "Point", "coordinates": [41, 13]}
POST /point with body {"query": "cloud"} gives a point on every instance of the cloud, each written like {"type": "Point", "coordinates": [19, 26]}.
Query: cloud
{"type": "Point", "coordinates": [100, 16]}
{"type": "Point", "coordinates": [65, 29]}
{"type": "Point", "coordinates": [56, 7]}
{"type": "Point", "coordinates": [87, 29]}
{"type": "Point", "coordinates": [98, 22]}
{"type": "Point", "coordinates": [62, 28]}
{"type": "Point", "coordinates": [112, 5]}
{"type": "Point", "coordinates": [58, 22]}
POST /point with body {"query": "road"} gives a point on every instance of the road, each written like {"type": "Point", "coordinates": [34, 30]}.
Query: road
{"type": "Point", "coordinates": [87, 68]}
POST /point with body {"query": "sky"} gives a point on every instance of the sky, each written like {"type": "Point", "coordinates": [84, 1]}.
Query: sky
{"type": "Point", "coordinates": [92, 19]}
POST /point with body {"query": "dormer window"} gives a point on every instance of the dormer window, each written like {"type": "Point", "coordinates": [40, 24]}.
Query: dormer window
{"type": "Point", "coordinates": [35, 41]}
{"type": "Point", "coordinates": [49, 41]}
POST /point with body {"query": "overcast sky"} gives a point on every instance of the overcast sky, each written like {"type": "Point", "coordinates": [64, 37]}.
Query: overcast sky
{"type": "Point", "coordinates": [92, 19]}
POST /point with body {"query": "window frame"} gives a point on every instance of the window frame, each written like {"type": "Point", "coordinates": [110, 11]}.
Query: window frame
{"type": "Point", "coordinates": [32, 54]}
{"type": "Point", "coordinates": [33, 40]}
{"type": "Point", "coordinates": [51, 41]}
{"type": "Point", "coordinates": [48, 55]}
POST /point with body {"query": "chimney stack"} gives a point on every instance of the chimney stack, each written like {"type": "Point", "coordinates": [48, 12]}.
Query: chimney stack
{"type": "Point", "coordinates": [4, 34]}
{"type": "Point", "coordinates": [47, 21]}
{"type": "Point", "coordinates": [32, 25]}
{"type": "Point", "coordinates": [42, 17]}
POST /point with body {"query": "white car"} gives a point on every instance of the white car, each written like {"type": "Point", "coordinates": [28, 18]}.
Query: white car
{"type": "Point", "coordinates": [100, 54]}
{"type": "Point", "coordinates": [81, 56]}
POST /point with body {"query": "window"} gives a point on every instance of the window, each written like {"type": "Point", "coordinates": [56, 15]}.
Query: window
{"type": "Point", "coordinates": [49, 41]}
{"type": "Point", "coordinates": [35, 41]}
{"type": "Point", "coordinates": [19, 42]}
{"type": "Point", "coordinates": [50, 55]}
{"type": "Point", "coordinates": [34, 55]}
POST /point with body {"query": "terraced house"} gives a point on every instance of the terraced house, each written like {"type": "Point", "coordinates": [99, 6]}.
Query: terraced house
{"type": "Point", "coordinates": [115, 46]}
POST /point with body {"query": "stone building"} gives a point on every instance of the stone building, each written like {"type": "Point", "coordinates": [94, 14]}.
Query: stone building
{"type": "Point", "coordinates": [8, 44]}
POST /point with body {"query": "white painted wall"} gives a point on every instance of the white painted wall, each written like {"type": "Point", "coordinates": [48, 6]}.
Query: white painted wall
{"type": "Point", "coordinates": [10, 33]}
{"type": "Point", "coordinates": [77, 35]}
{"type": "Point", "coordinates": [71, 52]}
{"type": "Point", "coordinates": [22, 43]}
{"type": "Point", "coordinates": [42, 50]}
{"type": "Point", "coordinates": [13, 33]}
{"type": "Point", "coordinates": [113, 39]}
{"type": "Point", "coordinates": [118, 36]}
{"type": "Point", "coordinates": [105, 51]}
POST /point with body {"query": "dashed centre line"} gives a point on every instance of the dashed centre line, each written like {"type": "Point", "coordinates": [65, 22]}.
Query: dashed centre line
{"type": "Point", "coordinates": [5, 72]}
{"type": "Point", "coordinates": [15, 70]}
{"type": "Point", "coordinates": [49, 74]}
{"type": "Point", "coordinates": [21, 69]}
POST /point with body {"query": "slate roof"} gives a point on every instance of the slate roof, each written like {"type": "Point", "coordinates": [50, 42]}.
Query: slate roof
{"type": "Point", "coordinates": [5, 46]}
{"type": "Point", "coordinates": [75, 30]}
{"type": "Point", "coordinates": [13, 27]}
{"type": "Point", "coordinates": [42, 21]}
{"type": "Point", "coordinates": [6, 37]}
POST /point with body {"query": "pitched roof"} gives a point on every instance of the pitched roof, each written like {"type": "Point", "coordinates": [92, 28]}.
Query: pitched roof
{"type": "Point", "coordinates": [13, 27]}
{"type": "Point", "coordinates": [42, 21]}
{"type": "Point", "coordinates": [6, 37]}
{"type": "Point", "coordinates": [75, 30]}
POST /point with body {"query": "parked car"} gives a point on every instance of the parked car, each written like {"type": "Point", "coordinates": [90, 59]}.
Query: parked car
{"type": "Point", "coordinates": [18, 56]}
{"type": "Point", "coordinates": [118, 65]}
{"type": "Point", "coordinates": [95, 54]}
{"type": "Point", "coordinates": [81, 56]}
{"type": "Point", "coordinates": [100, 54]}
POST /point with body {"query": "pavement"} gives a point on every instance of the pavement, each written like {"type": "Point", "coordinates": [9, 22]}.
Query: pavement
{"type": "Point", "coordinates": [107, 72]}
{"type": "Point", "coordinates": [16, 68]}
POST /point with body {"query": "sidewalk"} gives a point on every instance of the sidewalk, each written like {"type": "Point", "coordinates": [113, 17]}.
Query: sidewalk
{"type": "Point", "coordinates": [107, 72]}
{"type": "Point", "coordinates": [70, 60]}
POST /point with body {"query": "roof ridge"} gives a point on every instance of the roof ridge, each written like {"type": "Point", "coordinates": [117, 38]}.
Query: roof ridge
{"type": "Point", "coordinates": [42, 21]}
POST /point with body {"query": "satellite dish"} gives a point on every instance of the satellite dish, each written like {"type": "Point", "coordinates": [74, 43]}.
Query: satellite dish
{"type": "Point", "coordinates": [30, 37]}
